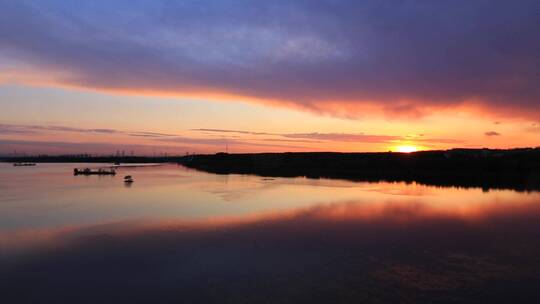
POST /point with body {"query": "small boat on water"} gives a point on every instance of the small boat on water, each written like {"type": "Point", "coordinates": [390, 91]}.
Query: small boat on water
{"type": "Point", "coordinates": [88, 171]}
{"type": "Point", "coordinates": [23, 164]}
{"type": "Point", "coordinates": [128, 179]}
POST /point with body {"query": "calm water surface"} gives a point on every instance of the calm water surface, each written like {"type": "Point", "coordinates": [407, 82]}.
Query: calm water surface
{"type": "Point", "coordinates": [179, 235]}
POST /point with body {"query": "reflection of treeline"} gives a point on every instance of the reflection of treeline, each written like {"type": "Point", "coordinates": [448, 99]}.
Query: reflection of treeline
{"type": "Point", "coordinates": [517, 169]}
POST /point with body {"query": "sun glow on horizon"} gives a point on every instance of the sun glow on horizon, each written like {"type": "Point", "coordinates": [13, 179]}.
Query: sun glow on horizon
{"type": "Point", "coordinates": [406, 149]}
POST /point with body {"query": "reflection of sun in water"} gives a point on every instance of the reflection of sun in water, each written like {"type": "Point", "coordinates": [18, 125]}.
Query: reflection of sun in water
{"type": "Point", "coordinates": [406, 149]}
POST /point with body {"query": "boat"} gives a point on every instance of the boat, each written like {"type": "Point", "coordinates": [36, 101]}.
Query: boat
{"type": "Point", "coordinates": [88, 171]}
{"type": "Point", "coordinates": [128, 179]}
{"type": "Point", "coordinates": [23, 164]}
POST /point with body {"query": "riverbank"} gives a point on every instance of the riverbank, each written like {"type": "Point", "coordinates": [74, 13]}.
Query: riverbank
{"type": "Point", "coordinates": [517, 169]}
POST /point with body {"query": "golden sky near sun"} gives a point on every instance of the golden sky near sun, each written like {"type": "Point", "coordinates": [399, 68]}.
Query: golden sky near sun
{"type": "Point", "coordinates": [76, 120]}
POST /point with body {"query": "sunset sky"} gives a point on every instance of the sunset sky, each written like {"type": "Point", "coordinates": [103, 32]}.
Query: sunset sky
{"type": "Point", "coordinates": [153, 77]}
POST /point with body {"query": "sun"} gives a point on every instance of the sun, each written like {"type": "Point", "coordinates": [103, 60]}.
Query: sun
{"type": "Point", "coordinates": [406, 149]}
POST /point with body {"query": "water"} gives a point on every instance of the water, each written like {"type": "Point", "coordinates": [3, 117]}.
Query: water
{"type": "Point", "coordinates": [190, 236]}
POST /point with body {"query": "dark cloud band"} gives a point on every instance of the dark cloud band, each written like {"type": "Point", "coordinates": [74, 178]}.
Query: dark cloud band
{"type": "Point", "coordinates": [406, 57]}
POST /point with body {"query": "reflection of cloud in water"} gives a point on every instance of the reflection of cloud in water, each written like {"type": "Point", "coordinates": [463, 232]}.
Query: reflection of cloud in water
{"type": "Point", "coordinates": [386, 252]}
{"type": "Point", "coordinates": [389, 214]}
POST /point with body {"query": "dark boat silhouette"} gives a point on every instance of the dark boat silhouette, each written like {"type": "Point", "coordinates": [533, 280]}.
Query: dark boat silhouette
{"type": "Point", "coordinates": [23, 164]}
{"type": "Point", "coordinates": [88, 171]}
{"type": "Point", "coordinates": [128, 179]}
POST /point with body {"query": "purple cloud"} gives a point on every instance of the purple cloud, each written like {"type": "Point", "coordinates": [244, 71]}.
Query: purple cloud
{"type": "Point", "coordinates": [222, 142]}
{"type": "Point", "coordinates": [492, 133]}
{"type": "Point", "coordinates": [344, 137]}
{"type": "Point", "coordinates": [33, 129]}
{"type": "Point", "coordinates": [326, 56]}
{"type": "Point", "coordinates": [6, 129]}
{"type": "Point", "coordinates": [316, 137]}
{"type": "Point", "coordinates": [230, 131]}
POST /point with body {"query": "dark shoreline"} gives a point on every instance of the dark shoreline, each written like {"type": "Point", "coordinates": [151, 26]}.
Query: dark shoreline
{"type": "Point", "coordinates": [515, 169]}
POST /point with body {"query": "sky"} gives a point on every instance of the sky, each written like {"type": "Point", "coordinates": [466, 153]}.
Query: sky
{"type": "Point", "coordinates": [155, 77]}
